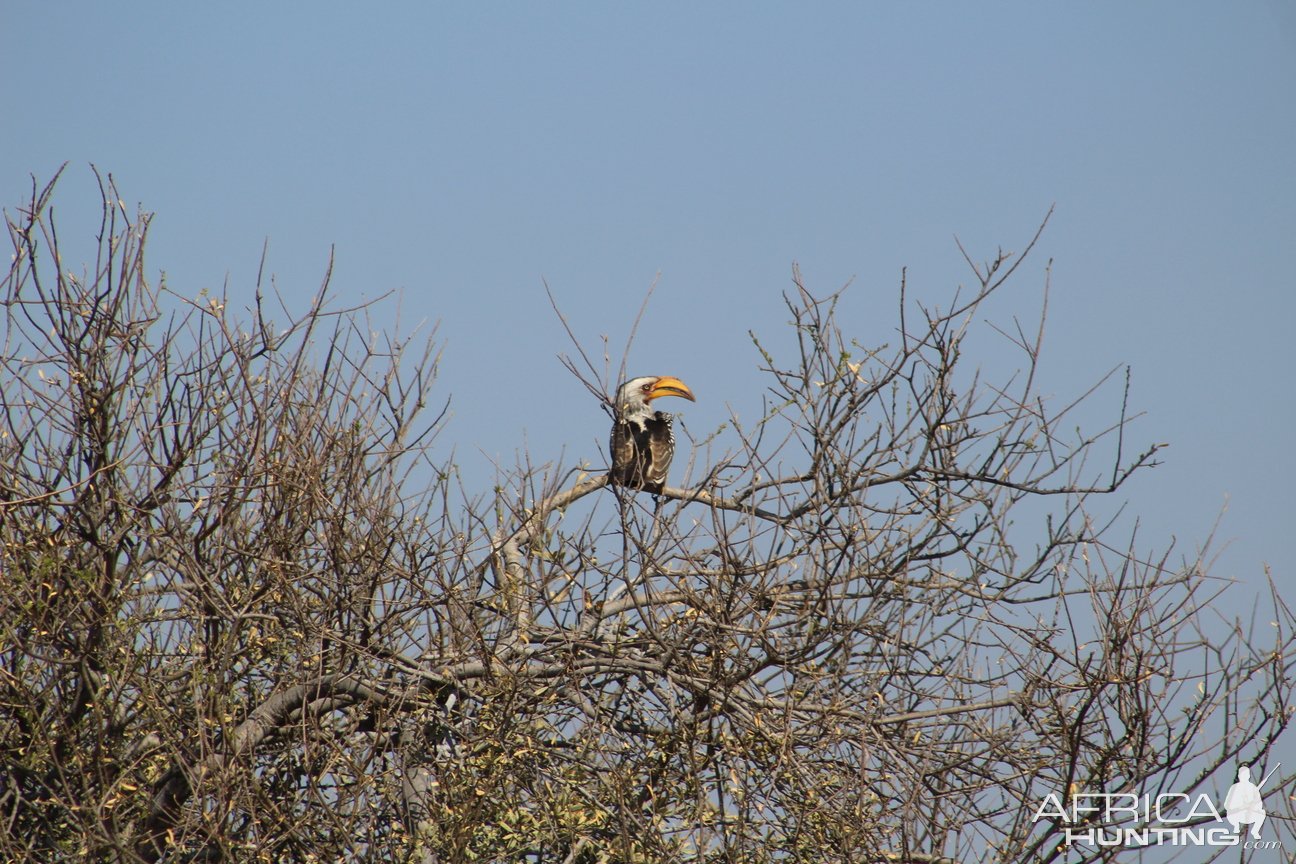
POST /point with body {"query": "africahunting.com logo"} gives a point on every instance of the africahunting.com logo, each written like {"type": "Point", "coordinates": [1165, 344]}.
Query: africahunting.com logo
{"type": "Point", "coordinates": [1166, 819]}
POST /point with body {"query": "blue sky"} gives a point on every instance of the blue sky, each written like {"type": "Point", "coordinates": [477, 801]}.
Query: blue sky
{"type": "Point", "coordinates": [461, 154]}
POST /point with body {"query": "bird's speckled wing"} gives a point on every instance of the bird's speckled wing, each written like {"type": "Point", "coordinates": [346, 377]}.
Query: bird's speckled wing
{"type": "Point", "coordinates": [661, 449]}
{"type": "Point", "coordinates": [622, 450]}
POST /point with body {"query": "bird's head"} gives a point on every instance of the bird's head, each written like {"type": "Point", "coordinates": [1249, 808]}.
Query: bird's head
{"type": "Point", "coordinates": [634, 396]}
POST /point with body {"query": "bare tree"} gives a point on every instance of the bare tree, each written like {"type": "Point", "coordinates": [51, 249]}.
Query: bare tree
{"type": "Point", "coordinates": [248, 615]}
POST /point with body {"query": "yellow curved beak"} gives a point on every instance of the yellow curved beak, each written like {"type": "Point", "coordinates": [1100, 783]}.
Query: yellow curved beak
{"type": "Point", "coordinates": [668, 386]}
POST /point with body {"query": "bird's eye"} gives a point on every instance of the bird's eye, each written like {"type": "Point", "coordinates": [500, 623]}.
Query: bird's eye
{"type": "Point", "coordinates": [647, 388]}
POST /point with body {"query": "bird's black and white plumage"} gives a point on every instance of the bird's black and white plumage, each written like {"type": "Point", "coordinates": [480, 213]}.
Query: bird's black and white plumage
{"type": "Point", "coordinates": [642, 440]}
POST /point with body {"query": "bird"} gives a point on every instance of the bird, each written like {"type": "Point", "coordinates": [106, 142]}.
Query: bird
{"type": "Point", "coordinates": [642, 441]}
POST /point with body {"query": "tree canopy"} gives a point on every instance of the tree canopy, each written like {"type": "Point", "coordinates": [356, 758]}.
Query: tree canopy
{"type": "Point", "coordinates": [249, 614]}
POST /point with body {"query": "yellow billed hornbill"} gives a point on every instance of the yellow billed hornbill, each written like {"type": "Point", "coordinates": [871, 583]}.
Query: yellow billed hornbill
{"type": "Point", "coordinates": [642, 440]}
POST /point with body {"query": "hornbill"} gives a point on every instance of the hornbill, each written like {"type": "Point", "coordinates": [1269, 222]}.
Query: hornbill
{"type": "Point", "coordinates": [642, 440]}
